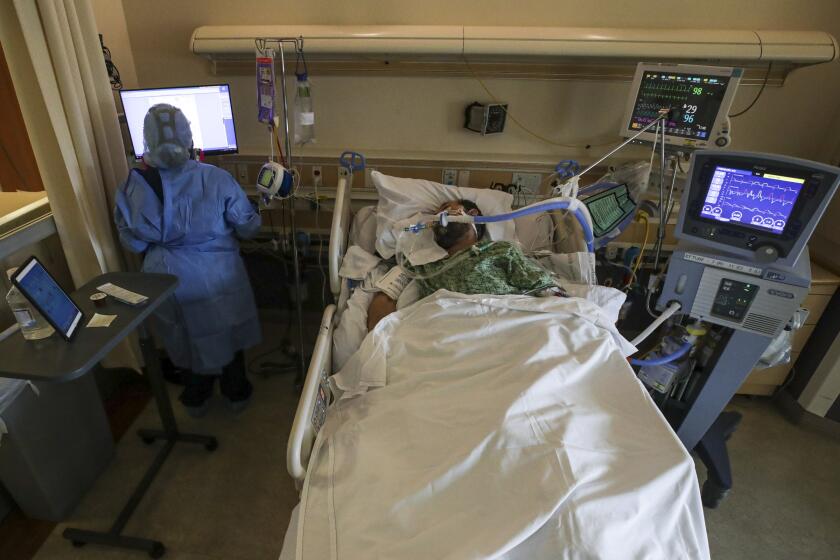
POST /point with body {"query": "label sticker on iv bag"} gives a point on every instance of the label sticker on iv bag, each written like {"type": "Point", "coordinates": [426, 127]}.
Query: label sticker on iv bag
{"type": "Point", "coordinates": [394, 282]}
{"type": "Point", "coordinates": [265, 89]}
{"type": "Point", "coordinates": [307, 119]}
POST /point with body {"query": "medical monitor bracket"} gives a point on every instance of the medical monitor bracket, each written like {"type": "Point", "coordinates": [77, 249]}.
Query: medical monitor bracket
{"type": "Point", "coordinates": [758, 207]}
{"type": "Point", "coordinates": [699, 98]}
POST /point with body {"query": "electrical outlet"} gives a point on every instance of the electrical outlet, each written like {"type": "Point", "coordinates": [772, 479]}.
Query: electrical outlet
{"type": "Point", "coordinates": [464, 178]}
{"type": "Point", "coordinates": [450, 177]}
{"type": "Point", "coordinates": [317, 176]}
{"type": "Point", "coordinates": [527, 181]}
{"type": "Point", "coordinates": [242, 172]}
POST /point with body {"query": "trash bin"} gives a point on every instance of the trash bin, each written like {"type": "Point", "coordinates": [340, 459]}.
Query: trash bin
{"type": "Point", "coordinates": [57, 442]}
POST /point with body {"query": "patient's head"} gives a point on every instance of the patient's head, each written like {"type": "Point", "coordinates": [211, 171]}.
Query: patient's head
{"type": "Point", "coordinates": [457, 236]}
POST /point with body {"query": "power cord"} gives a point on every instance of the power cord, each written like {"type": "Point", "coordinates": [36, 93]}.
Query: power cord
{"type": "Point", "coordinates": [642, 217]}
{"type": "Point", "coordinates": [113, 71]}
{"type": "Point", "coordinates": [758, 95]}
{"type": "Point", "coordinates": [518, 123]}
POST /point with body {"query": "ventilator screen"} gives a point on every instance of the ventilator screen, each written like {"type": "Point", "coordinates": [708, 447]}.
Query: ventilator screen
{"type": "Point", "coordinates": [751, 198]}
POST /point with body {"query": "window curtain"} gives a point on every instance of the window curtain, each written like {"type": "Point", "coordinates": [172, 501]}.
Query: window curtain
{"type": "Point", "coordinates": [69, 107]}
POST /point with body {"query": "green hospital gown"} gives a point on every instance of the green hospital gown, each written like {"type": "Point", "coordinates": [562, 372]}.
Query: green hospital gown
{"type": "Point", "coordinates": [488, 267]}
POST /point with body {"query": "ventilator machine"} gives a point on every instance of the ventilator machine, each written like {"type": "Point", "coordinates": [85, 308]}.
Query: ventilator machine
{"type": "Point", "coordinates": [740, 268]}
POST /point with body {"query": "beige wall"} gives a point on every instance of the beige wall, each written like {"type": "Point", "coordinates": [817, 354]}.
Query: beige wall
{"type": "Point", "coordinates": [420, 116]}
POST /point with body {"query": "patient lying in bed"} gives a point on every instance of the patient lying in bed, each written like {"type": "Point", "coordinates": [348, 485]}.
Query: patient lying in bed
{"type": "Point", "coordinates": [472, 267]}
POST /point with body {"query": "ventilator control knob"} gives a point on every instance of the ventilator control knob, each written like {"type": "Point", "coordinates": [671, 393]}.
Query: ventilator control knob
{"type": "Point", "coordinates": [766, 253]}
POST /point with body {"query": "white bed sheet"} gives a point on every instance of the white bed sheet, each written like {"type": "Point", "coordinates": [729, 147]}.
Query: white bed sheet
{"type": "Point", "coordinates": [366, 268]}
{"type": "Point", "coordinates": [506, 427]}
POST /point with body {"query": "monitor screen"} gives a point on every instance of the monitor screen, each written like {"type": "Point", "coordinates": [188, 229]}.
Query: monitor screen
{"type": "Point", "coordinates": [207, 108]}
{"type": "Point", "coordinates": [42, 290]}
{"type": "Point", "coordinates": [695, 99]}
{"type": "Point", "coordinates": [751, 198]}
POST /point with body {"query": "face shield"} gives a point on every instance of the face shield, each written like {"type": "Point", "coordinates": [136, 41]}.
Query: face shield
{"type": "Point", "coordinates": [167, 137]}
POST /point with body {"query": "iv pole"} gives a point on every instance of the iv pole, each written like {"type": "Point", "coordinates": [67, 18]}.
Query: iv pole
{"type": "Point", "coordinates": [279, 45]}
{"type": "Point", "coordinates": [663, 114]}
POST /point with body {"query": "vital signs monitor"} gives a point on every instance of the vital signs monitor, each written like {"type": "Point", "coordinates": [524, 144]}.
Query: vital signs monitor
{"type": "Point", "coordinates": [207, 108]}
{"type": "Point", "coordinates": [699, 98]}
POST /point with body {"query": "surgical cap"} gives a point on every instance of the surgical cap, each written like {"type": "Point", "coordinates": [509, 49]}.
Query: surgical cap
{"type": "Point", "coordinates": [167, 136]}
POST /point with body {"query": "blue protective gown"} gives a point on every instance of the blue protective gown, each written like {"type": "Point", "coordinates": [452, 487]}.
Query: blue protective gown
{"type": "Point", "coordinates": [192, 235]}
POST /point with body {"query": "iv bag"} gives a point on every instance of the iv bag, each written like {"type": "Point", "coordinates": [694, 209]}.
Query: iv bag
{"type": "Point", "coordinates": [265, 87]}
{"type": "Point", "coordinates": [304, 111]}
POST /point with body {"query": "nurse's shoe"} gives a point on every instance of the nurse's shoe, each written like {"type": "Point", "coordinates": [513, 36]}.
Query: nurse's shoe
{"type": "Point", "coordinates": [199, 411]}
{"type": "Point", "coordinates": [238, 406]}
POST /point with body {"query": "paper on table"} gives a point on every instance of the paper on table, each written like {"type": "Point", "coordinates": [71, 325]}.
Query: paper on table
{"type": "Point", "coordinates": [100, 320]}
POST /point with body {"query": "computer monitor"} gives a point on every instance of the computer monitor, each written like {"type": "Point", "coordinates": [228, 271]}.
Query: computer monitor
{"type": "Point", "coordinates": [208, 109]}
{"type": "Point", "coordinates": [699, 98]}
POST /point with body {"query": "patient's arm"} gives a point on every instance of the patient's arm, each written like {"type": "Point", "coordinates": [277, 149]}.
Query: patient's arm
{"type": "Point", "coordinates": [379, 308]}
{"type": "Point", "coordinates": [526, 274]}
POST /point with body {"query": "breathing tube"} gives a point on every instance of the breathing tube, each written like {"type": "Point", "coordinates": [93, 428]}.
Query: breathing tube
{"type": "Point", "coordinates": [662, 360]}
{"type": "Point", "coordinates": [577, 208]}
{"type": "Point", "coordinates": [573, 205]}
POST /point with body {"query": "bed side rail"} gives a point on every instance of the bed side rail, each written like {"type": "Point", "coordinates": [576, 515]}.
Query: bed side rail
{"type": "Point", "coordinates": [314, 398]}
{"type": "Point", "coordinates": [339, 230]}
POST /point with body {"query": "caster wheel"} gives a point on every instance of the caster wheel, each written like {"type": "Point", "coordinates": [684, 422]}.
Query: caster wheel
{"type": "Point", "coordinates": [712, 494]}
{"type": "Point", "coordinates": [78, 544]}
{"type": "Point", "coordinates": [157, 551]}
{"type": "Point", "coordinates": [211, 445]}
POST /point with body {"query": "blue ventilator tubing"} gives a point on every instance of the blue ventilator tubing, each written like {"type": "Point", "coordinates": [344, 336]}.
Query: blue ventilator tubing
{"type": "Point", "coordinates": [662, 360]}
{"type": "Point", "coordinates": [588, 236]}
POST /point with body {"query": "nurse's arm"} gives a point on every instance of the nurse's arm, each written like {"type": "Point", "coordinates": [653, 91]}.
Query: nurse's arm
{"type": "Point", "coordinates": [241, 214]}
{"type": "Point", "coordinates": [127, 238]}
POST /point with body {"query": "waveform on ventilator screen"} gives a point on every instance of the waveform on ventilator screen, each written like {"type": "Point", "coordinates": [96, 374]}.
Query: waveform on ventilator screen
{"type": "Point", "coordinates": [743, 208]}
{"type": "Point", "coordinates": [756, 190]}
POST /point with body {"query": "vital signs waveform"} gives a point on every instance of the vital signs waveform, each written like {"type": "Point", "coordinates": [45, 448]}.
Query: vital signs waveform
{"type": "Point", "coordinates": [756, 190]}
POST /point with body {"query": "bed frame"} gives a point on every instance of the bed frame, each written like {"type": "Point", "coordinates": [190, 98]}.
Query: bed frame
{"type": "Point", "coordinates": [314, 398]}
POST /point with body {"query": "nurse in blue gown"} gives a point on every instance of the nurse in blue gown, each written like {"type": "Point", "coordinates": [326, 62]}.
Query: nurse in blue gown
{"type": "Point", "coordinates": [185, 217]}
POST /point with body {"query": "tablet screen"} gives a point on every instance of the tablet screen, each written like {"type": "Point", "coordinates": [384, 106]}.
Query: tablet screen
{"type": "Point", "coordinates": [46, 295]}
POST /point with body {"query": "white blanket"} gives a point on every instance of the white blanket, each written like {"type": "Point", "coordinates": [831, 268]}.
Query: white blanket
{"type": "Point", "coordinates": [504, 427]}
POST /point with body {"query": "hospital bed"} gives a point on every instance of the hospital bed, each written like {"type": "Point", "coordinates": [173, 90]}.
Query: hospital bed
{"type": "Point", "coordinates": [617, 483]}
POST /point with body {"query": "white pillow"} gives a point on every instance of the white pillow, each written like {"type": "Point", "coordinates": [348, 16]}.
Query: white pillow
{"type": "Point", "coordinates": [400, 199]}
